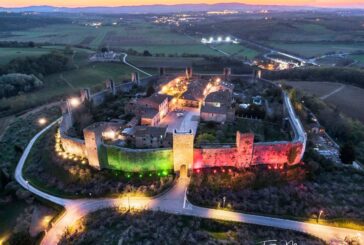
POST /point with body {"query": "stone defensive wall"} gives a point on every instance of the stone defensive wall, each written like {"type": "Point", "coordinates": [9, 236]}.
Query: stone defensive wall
{"type": "Point", "coordinates": [246, 153]}
{"type": "Point", "coordinates": [136, 160]}
{"type": "Point", "coordinates": [77, 146]}
{"type": "Point", "coordinates": [69, 144]}
{"type": "Point", "coordinates": [243, 153]}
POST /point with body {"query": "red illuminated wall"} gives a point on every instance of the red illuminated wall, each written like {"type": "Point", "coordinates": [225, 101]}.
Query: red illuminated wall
{"type": "Point", "coordinates": [277, 153]}
{"type": "Point", "coordinates": [247, 153]}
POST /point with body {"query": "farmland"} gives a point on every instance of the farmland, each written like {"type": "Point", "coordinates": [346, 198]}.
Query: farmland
{"type": "Point", "coordinates": [168, 62]}
{"type": "Point", "coordinates": [311, 49]}
{"type": "Point", "coordinates": [8, 54]}
{"type": "Point", "coordinates": [238, 50]}
{"type": "Point", "coordinates": [57, 85]}
{"type": "Point", "coordinates": [136, 34]}
{"type": "Point", "coordinates": [349, 99]}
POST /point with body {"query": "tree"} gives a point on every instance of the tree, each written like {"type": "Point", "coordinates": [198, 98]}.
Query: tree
{"type": "Point", "coordinates": [68, 50]}
{"type": "Point", "coordinates": [150, 91]}
{"type": "Point", "coordinates": [347, 153]}
{"type": "Point", "coordinates": [146, 53]}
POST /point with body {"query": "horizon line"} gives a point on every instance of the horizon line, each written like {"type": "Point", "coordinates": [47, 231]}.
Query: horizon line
{"type": "Point", "coordinates": [338, 6]}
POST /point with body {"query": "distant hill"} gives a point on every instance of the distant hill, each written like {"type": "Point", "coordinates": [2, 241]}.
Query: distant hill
{"type": "Point", "coordinates": [156, 8]}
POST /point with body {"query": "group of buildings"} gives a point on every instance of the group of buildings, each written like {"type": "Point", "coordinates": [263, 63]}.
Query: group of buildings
{"type": "Point", "coordinates": [167, 120]}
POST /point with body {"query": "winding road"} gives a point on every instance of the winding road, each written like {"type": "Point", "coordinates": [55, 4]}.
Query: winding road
{"type": "Point", "coordinates": [174, 201]}
{"type": "Point", "coordinates": [324, 97]}
{"type": "Point", "coordinates": [133, 66]}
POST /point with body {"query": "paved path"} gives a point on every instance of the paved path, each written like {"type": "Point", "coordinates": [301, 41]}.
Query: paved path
{"type": "Point", "coordinates": [174, 201]}
{"type": "Point", "coordinates": [133, 66]}
{"type": "Point", "coordinates": [333, 92]}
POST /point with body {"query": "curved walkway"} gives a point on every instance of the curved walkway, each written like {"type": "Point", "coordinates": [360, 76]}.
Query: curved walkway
{"type": "Point", "coordinates": [324, 97]}
{"type": "Point", "coordinates": [174, 201]}
{"type": "Point", "coordinates": [133, 66]}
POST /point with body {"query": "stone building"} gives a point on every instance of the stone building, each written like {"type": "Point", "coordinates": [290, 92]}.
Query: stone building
{"type": "Point", "coordinates": [150, 137]}
{"type": "Point", "coordinates": [217, 107]}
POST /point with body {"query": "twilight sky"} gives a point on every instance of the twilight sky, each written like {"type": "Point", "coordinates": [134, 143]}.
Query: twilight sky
{"type": "Point", "coordinates": [79, 3]}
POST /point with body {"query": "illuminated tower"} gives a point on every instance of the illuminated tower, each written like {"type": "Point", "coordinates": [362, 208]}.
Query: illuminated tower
{"type": "Point", "coordinates": [244, 145]}
{"type": "Point", "coordinates": [110, 85]}
{"type": "Point", "coordinates": [189, 72]}
{"type": "Point", "coordinates": [93, 139]}
{"type": "Point", "coordinates": [182, 150]}
{"type": "Point", "coordinates": [135, 78]}
{"type": "Point", "coordinates": [85, 95]}
{"type": "Point", "coordinates": [227, 73]}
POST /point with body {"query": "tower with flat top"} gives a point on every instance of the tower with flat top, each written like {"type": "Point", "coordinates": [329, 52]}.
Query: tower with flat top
{"type": "Point", "coordinates": [183, 151]}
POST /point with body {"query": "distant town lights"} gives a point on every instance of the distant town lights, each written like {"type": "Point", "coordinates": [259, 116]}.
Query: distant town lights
{"type": "Point", "coordinates": [219, 39]}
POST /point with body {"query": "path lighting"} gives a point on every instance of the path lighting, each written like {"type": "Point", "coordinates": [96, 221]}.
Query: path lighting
{"type": "Point", "coordinates": [319, 216]}
{"type": "Point", "coordinates": [110, 134]}
{"type": "Point", "coordinates": [42, 121]}
{"type": "Point", "coordinates": [223, 201]}
{"type": "Point", "coordinates": [74, 102]}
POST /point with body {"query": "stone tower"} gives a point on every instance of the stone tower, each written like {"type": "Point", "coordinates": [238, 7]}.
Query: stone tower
{"type": "Point", "coordinates": [110, 85]}
{"type": "Point", "coordinates": [244, 145]}
{"type": "Point", "coordinates": [189, 72]}
{"type": "Point", "coordinates": [182, 150]}
{"type": "Point", "coordinates": [85, 94]}
{"type": "Point", "coordinates": [227, 73]}
{"type": "Point", "coordinates": [93, 139]}
{"type": "Point", "coordinates": [135, 78]}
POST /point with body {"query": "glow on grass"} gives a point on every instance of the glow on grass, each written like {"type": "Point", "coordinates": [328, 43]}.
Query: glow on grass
{"type": "Point", "coordinates": [42, 121]}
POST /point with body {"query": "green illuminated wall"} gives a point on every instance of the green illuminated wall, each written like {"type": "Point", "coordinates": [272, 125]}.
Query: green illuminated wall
{"type": "Point", "coordinates": [131, 160]}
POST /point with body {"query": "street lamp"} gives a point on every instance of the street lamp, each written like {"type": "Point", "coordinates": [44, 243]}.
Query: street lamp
{"type": "Point", "coordinates": [320, 213]}
{"type": "Point", "coordinates": [223, 201]}
{"type": "Point", "coordinates": [27, 182]}
{"type": "Point", "coordinates": [74, 102]}
{"type": "Point", "coordinates": [42, 121]}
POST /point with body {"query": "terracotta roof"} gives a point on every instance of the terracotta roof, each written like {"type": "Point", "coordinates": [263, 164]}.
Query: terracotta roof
{"type": "Point", "coordinates": [219, 96]}
{"type": "Point", "coordinates": [149, 113]}
{"type": "Point", "coordinates": [154, 100]}
{"type": "Point", "coordinates": [207, 108]}
{"type": "Point", "coordinates": [195, 90]}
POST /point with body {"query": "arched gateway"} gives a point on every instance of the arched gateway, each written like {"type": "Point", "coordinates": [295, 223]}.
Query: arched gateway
{"type": "Point", "coordinates": [183, 152]}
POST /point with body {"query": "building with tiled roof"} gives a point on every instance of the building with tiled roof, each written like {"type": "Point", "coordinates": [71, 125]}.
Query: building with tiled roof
{"type": "Point", "coordinates": [150, 137]}
{"type": "Point", "coordinates": [217, 106]}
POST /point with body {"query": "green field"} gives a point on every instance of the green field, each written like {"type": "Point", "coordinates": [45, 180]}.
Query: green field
{"type": "Point", "coordinates": [137, 34]}
{"type": "Point", "coordinates": [168, 62]}
{"type": "Point", "coordinates": [8, 214]}
{"type": "Point", "coordinates": [8, 54]}
{"type": "Point", "coordinates": [358, 58]}
{"type": "Point", "coordinates": [57, 85]}
{"type": "Point", "coordinates": [315, 49]}
{"type": "Point", "coordinates": [238, 50]}
{"type": "Point", "coordinates": [176, 49]}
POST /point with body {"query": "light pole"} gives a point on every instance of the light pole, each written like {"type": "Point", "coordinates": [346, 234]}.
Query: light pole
{"type": "Point", "coordinates": [27, 182]}
{"type": "Point", "coordinates": [223, 201]}
{"type": "Point", "coordinates": [42, 121]}
{"type": "Point", "coordinates": [320, 213]}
